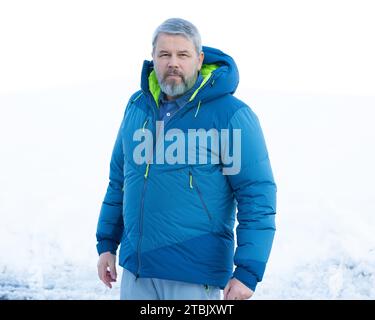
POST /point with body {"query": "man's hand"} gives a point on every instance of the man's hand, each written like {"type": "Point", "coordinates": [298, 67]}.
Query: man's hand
{"type": "Point", "coordinates": [107, 268]}
{"type": "Point", "coordinates": [236, 290]}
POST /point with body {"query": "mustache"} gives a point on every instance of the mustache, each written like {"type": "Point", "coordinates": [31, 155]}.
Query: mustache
{"type": "Point", "coordinates": [173, 73]}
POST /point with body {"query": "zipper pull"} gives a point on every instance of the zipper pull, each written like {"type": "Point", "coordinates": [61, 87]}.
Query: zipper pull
{"type": "Point", "coordinates": [144, 125]}
{"type": "Point", "coordinates": [190, 180]}
{"type": "Point", "coordinates": [147, 168]}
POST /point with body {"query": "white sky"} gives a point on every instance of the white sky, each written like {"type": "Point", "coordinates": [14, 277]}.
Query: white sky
{"type": "Point", "coordinates": [300, 46]}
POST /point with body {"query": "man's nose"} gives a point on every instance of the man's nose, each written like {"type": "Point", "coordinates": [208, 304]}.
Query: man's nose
{"type": "Point", "coordinates": [173, 61]}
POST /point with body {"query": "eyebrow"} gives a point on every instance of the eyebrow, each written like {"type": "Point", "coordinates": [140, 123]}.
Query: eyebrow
{"type": "Point", "coordinates": [180, 51]}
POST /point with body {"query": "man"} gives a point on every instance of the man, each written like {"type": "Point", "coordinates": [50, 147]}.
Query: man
{"type": "Point", "coordinates": [174, 217]}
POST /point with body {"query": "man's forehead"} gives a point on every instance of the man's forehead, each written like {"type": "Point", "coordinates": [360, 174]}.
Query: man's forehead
{"type": "Point", "coordinates": [166, 42]}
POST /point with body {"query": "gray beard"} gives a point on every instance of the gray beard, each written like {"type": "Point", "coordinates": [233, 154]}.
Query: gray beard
{"type": "Point", "coordinates": [174, 90]}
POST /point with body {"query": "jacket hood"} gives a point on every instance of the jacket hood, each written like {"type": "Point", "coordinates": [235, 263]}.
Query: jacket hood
{"type": "Point", "coordinates": [219, 71]}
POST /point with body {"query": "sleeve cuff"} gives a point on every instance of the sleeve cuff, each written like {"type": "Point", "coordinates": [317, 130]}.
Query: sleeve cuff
{"type": "Point", "coordinates": [246, 277]}
{"type": "Point", "coordinates": [106, 245]}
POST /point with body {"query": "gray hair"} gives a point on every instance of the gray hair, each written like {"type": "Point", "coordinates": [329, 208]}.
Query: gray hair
{"type": "Point", "coordinates": [178, 26]}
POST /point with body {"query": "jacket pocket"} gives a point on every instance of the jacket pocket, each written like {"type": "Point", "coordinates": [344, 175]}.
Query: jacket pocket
{"type": "Point", "coordinates": [193, 185]}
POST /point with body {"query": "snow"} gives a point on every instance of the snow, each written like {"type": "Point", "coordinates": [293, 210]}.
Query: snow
{"type": "Point", "coordinates": [55, 151]}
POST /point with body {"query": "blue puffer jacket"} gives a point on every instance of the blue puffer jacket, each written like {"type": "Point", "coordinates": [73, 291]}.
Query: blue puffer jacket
{"type": "Point", "coordinates": [176, 221]}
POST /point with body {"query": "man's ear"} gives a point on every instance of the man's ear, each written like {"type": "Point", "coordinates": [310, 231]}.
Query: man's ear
{"type": "Point", "coordinates": [200, 58]}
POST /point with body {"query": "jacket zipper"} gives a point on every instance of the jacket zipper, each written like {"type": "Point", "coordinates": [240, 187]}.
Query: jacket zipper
{"type": "Point", "coordinates": [194, 184]}
{"type": "Point", "coordinates": [141, 214]}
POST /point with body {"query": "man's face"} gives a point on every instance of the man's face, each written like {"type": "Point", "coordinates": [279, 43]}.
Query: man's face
{"type": "Point", "coordinates": [176, 64]}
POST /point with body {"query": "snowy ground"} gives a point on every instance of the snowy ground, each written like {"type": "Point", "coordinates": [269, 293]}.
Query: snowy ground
{"type": "Point", "coordinates": [54, 157]}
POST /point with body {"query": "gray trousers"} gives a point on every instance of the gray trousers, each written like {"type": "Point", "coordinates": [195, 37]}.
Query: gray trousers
{"type": "Point", "coordinates": [161, 289]}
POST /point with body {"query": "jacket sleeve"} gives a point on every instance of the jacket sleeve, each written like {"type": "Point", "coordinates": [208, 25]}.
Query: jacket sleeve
{"type": "Point", "coordinates": [255, 191]}
{"type": "Point", "coordinates": [110, 224]}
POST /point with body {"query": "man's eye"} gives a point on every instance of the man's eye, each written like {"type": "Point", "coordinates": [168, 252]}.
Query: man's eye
{"type": "Point", "coordinates": [164, 55]}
